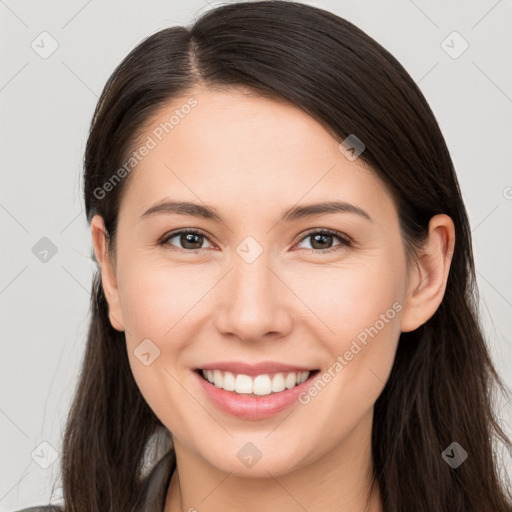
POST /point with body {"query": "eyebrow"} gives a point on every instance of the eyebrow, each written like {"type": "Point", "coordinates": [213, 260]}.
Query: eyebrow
{"type": "Point", "coordinates": [290, 215]}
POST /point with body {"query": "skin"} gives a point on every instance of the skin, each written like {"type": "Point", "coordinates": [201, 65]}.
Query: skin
{"type": "Point", "coordinates": [252, 158]}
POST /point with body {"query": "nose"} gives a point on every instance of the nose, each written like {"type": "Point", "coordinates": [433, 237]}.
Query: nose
{"type": "Point", "coordinates": [254, 303]}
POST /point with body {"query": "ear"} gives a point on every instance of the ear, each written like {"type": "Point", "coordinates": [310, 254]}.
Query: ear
{"type": "Point", "coordinates": [108, 274]}
{"type": "Point", "coordinates": [427, 280]}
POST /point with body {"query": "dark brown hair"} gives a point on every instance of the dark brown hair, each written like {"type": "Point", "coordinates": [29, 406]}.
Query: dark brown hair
{"type": "Point", "coordinates": [441, 386]}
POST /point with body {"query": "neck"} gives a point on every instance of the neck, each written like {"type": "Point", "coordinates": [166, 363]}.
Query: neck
{"type": "Point", "coordinates": [340, 480]}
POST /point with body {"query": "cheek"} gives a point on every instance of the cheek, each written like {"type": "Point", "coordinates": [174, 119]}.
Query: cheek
{"type": "Point", "coordinates": [366, 335]}
{"type": "Point", "coordinates": [156, 298]}
{"type": "Point", "coordinates": [157, 304]}
{"type": "Point", "coordinates": [358, 312]}
{"type": "Point", "coordinates": [160, 305]}
{"type": "Point", "coordinates": [350, 298]}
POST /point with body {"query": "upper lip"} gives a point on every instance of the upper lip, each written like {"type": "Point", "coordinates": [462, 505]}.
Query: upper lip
{"type": "Point", "coordinates": [254, 369]}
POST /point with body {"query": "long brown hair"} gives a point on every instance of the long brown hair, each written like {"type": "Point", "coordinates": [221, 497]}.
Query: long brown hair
{"type": "Point", "coordinates": [441, 386]}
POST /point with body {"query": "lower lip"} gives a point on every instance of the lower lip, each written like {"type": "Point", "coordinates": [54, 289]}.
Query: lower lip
{"type": "Point", "coordinates": [249, 407]}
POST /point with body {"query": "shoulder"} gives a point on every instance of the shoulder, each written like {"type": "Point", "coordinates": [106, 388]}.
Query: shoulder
{"type": "Point", "coordinates": [154, 487]}
{"type": "Point", "coordinates": [42, 508]}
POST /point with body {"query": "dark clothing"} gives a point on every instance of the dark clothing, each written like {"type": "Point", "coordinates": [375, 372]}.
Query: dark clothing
{"type": "Point", "coordinates": [154, 492]}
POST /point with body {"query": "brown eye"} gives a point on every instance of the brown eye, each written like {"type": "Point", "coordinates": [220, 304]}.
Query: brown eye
{"type": "Point", "coordinates": [321, 241]}
{"type": "Point", "coordinates": [187, 240]}
{"type": "Point", "coordinates": [324, 240]}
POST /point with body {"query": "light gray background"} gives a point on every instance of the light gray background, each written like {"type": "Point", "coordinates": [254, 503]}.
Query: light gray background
{"type": "Point", "coordinates": [47, 105]}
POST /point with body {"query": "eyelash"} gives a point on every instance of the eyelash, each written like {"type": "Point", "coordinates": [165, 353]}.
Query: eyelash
{"type": "Point", "coordinates": [344, 240]}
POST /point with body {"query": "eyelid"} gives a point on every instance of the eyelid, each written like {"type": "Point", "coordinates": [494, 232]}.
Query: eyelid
{"type": "Point", "coordinates": [344, 239]}
{"type": "Point", "coordinates": [328, 231]}
{"type": "Point", "coordinates": [163, 241]}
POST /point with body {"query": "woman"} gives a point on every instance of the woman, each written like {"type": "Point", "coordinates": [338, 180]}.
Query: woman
{"type": "Point", "coordinates": [284, 314]}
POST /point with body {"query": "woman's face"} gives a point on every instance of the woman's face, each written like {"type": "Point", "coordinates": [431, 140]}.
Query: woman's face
{"type": "Point", "coordinates": [259, 285]}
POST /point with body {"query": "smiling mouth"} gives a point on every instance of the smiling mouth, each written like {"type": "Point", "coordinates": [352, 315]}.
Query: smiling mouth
{"type": "Point", "coordinates": [257, 385]}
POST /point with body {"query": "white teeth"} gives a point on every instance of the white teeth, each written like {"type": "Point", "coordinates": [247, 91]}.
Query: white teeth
{"type": "Point", "coordinates": [229, 382]}
{"type": "Point", "coordinates": [278, 383]}
{"type": "Point", "coordinates": [291, 380]}
{"type": "Point", "coordinates": [262, 385]}
{"type": "Point", "coordinates": [217, 378]}
{"type": "Point", "coordinates": [243, 384]}
{"type": "Point", "coordinates": [259, 385]}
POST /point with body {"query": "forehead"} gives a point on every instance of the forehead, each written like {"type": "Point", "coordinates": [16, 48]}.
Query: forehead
{"type": "Point", "coordinates": [239, 151]}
